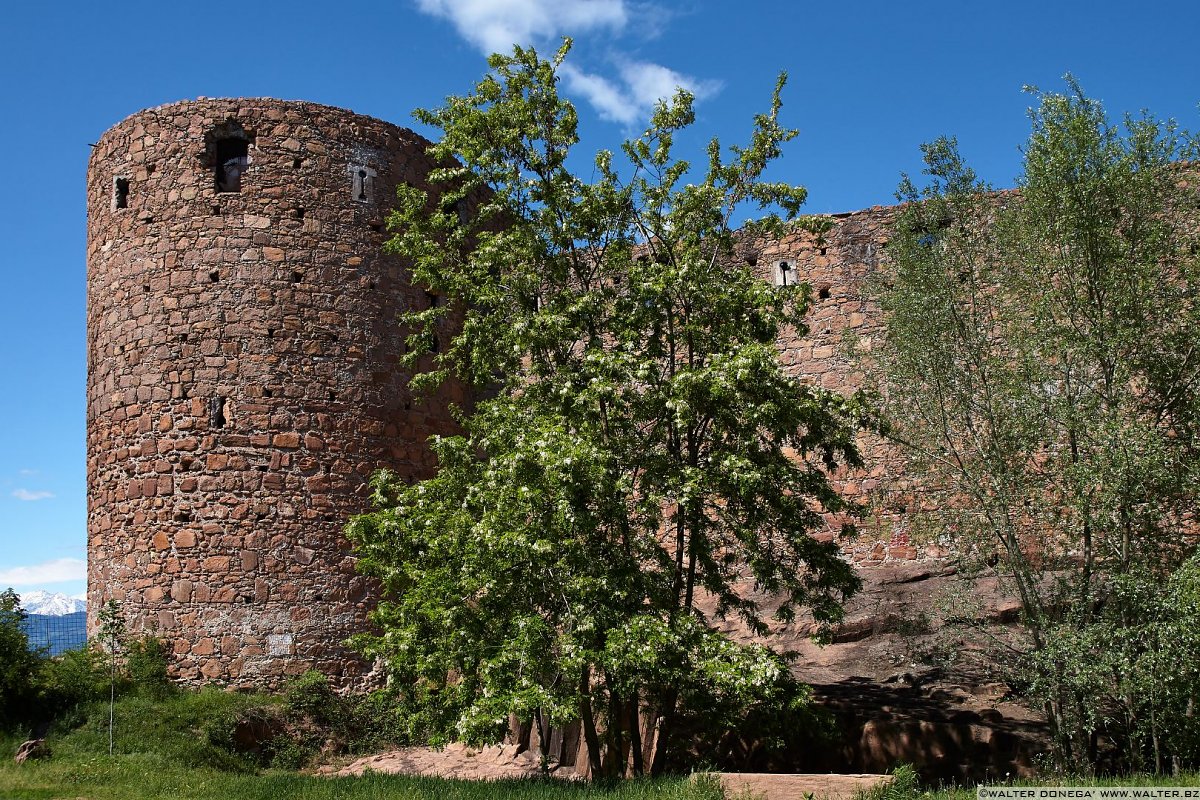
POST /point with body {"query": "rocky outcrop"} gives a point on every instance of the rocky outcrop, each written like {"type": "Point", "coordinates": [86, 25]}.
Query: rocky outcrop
{"type": "Point", "coordinates": [903, 686]}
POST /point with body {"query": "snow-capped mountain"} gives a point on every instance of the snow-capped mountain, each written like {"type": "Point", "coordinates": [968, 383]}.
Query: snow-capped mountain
{"type": "Point", "coordinates": [50, 605]}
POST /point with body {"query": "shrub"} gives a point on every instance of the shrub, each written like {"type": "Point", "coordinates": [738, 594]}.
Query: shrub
{"type": "Point", "coordinates": [18, 666]}
{"type": "Point", "coordinates": [146, 665]}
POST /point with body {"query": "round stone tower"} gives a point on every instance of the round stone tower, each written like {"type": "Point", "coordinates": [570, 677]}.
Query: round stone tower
{"type": "Point", "coordinates": [244, 378]}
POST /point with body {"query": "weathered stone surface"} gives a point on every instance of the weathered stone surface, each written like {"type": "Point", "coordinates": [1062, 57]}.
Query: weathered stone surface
{"type": "Point", "coordinates": [242, 378]}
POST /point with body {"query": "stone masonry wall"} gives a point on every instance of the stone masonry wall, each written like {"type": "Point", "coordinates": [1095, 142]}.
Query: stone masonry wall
{"type": "Point", "coordinates": [837, 265]}
{"type": "Point", "coordinates": [243, 377]}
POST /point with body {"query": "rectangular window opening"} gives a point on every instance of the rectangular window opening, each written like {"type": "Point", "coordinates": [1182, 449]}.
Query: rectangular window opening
{"type": "Point", "coordinates": [120, 193]}
{"type": "Point", "coordinates": [232, 161]}
{"type": "Point", "coordinates": [785, 273]}
{"type": "Point", "coordinates": [216, 412]}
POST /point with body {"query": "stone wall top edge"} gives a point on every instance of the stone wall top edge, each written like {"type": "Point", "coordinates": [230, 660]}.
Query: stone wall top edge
{"type": "Point", "coordinates": [222, 103]}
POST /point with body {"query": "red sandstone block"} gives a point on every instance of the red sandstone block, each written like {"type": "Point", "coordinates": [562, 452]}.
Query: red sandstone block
{"type": "Point", "coordinates": [289, 440]}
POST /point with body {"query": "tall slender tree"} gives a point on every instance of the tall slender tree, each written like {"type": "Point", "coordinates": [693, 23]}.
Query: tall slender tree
{"type": "Point", "coordinates": [1041, 367]}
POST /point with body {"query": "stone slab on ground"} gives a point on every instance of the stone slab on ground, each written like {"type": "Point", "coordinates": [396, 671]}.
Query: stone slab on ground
{"type": "Point", "coordinates": [772, 786]}
{"type": "Point", "coordinates": [452, 761]}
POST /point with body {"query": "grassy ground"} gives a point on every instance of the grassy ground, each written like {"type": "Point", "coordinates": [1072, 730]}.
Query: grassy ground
{"type": "Point", "coordinates": [152, 777]}
{"type": "Point", "coordinates": [179, 747]}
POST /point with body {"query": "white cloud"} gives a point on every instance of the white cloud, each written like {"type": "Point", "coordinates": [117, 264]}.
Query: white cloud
{"type": "Point", "coordinates": [643, 84]}
{"type": "Point", "coordinates": [494, 26]}
{"type": "Point", "coordinates": [25, 494]}
{"type": "Point", "coordinates": [28, 471]}
{"type": "Point", "coordinates": [606, 97]}
{"type": "Point", "coordinates": [648, 83]}
{"type": "Point", "coordinates": [56, 571]}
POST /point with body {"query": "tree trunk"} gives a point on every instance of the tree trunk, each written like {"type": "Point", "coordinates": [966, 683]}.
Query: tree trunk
{"type": "Point", "coordinates": [589, 722]}
{"type": "Point", "coordinates": [635, 735]}
{"type": "Point", "coordinates": [666, 723]}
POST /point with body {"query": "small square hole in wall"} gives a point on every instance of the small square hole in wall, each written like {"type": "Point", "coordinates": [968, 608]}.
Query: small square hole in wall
{"type": "Point", "coordinates": [216, 211]}
{"type": "Point", "coordinates": [270, 333]}
{"type": "Point", "coordinates": [823, 250]}
{"type": "Point", "coordinates": [377, 227]}
{"type": "Point", "coordinates": [150, 169]}
{"type": "Point", "coordinates": [145, 287]}
{"type": "Point", "coordinates": [214, 276]}
{"type": "Point", "coordinates": [752, 261]}
{"type": "Point", "coordinates": [268, 392]}
{"type": "Point", "coordinates": [120, 193]}
{"type": "Point", "coordinates": [333, 397]}
{"type": "Point", "coordinates": [823, 293]}
{"type": "Point", "coordinates": [297, 276]}
{"type": "Point", "coordinates": [297, 163]}
{"type": "Point", "coordinates": [298, 213]}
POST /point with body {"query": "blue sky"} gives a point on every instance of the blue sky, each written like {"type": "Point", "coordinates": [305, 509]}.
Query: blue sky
{"type": "Point", "coordinates": [869, 81]}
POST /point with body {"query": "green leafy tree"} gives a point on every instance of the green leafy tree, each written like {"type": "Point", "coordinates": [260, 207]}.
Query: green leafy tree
{"type": "Point", "coordinates": [19, 666]}
{"type": "Point", "coordinates": [637, 445]}
{"type": "Point", "coordinates": [1040, 367]}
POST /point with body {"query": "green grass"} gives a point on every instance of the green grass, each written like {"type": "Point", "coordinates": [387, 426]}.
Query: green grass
{"type": "Point", "coordinates": [151, 776]}
{"type": "Point", "coordinates": [178, 747]}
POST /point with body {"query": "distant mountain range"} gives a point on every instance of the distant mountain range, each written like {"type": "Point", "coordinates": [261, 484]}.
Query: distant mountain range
{"type": "Point", "coordinates": [51, 605]}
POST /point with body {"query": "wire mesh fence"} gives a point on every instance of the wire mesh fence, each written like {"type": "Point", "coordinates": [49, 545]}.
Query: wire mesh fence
{"type": "Point", "coordinates": [56, 634]}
